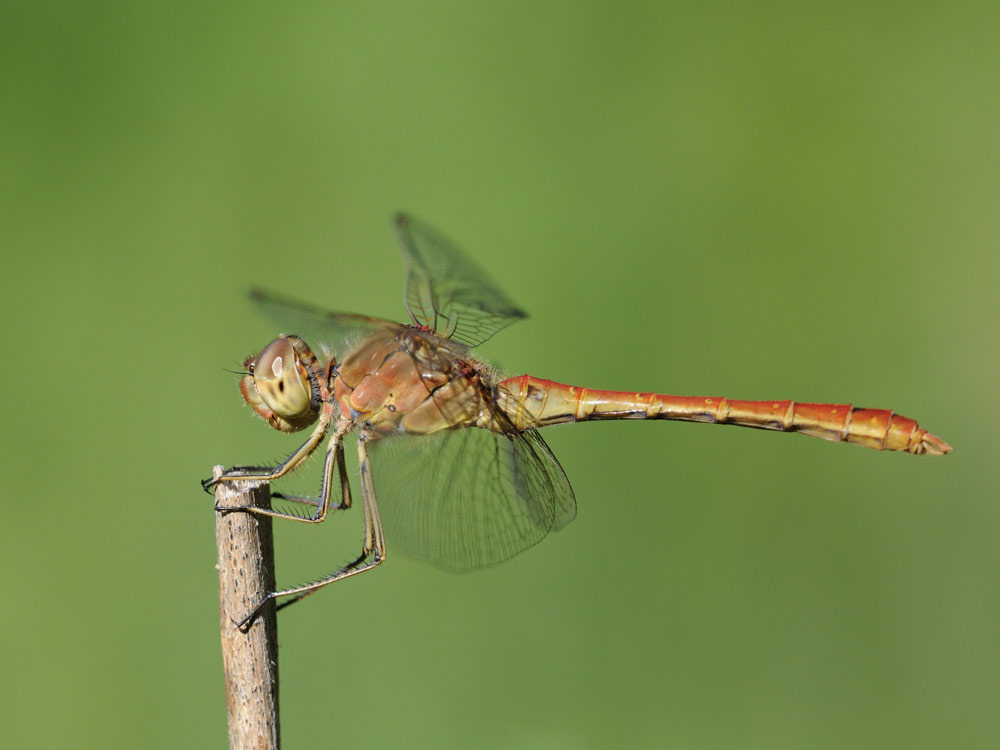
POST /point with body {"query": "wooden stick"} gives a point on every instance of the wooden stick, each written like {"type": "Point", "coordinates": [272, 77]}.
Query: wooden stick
{"type": "Point", "coordinates": [246, 576]}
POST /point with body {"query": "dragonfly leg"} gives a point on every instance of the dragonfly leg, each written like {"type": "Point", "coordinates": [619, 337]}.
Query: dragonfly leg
{"type": "Point", "coordinates": [317, 514]}
{"type": "Point", "coordinates": [270, 473]}
{"type": "Point", "coordinates": [372, 551]}
{"type": "Point", "coordinates": [321, 505]}
{"type": "Point", "coordinates": [297, 499]}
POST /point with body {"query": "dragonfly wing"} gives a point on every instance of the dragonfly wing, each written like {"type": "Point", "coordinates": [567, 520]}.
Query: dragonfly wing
{"type": "Point", "coordinates": [446, 291]}
{"type": "Point", "coordinates": [469, 498]}
{"type": "Point", "coordinates": [327, 333]}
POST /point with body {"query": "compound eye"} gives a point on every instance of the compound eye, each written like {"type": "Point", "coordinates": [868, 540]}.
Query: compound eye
{"type": "Point", "coordinates": [280, 381]}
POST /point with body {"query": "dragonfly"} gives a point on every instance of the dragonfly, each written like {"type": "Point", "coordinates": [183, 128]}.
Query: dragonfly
{"type": "Point", "coordinates": [465, 479]}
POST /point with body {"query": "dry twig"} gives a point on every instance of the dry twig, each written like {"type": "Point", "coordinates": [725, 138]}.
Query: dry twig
{"type": "Point", "coordinates": [246, 576]}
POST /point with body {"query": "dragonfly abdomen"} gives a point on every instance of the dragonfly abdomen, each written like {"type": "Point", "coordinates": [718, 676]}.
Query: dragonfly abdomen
{"type": "Point", "coordinates": [534, 402]}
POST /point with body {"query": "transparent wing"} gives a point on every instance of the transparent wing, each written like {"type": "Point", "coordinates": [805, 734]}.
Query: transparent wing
{"type": "Point", "coordinates": [446, 291]}
{"type": "Point", "coordinates": [469, 498]}
{"type": "Point", "coordinates": [327, 333]}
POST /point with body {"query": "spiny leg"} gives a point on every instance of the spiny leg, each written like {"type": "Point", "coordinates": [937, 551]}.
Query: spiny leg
{"type": "Point", "coordinates": [334, 455]}
{"type": "Point", "coordinates": [374, 542]}
{"type": "Point", "coordinates": [270, 473]}
{"type": "Point", "coordinates": [373, 547]}
{"type": "Point", "coordinates": [345, 487]}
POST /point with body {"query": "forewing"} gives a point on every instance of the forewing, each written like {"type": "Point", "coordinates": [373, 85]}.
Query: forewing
{"type": "Point", "coordinates": [327, 333]}
{"type": "Point", "coordinates": [446, 291]}
{"type": "Point", "coordinates": [469, 498]}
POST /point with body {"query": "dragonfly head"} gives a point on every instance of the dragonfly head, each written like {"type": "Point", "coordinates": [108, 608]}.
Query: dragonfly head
{"type": "Point", "coordinates": [280, 388]}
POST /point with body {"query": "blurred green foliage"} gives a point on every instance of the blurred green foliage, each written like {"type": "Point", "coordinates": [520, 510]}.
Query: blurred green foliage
{"type": "Point", "coordinates": [776, 199]}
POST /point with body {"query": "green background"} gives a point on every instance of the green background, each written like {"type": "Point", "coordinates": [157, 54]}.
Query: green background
{"type": "Point", "coordinates": [771, 200]}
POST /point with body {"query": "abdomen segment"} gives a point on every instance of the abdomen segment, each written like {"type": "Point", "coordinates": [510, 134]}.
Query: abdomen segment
{"type": "Point", "coordinates": [532, 402]}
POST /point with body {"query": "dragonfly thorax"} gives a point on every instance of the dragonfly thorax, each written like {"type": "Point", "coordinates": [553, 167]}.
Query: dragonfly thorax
{"type": "Point", "coordinates": [279, 385]}
{"type": "Point", "coordinates": [396, 382]}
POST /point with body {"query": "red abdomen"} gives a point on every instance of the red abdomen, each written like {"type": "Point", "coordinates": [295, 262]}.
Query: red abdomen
{"type": "Point", "coordinates": [532, 402]}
